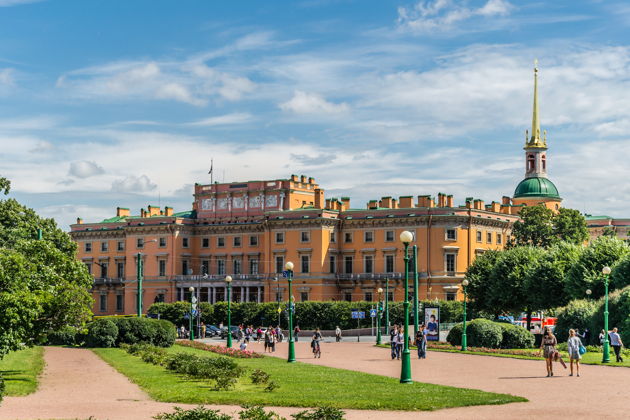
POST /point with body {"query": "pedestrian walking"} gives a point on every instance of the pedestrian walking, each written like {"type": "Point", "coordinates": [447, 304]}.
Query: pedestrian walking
{"type": "Point", "coordinates": [296, 332]}
{"type": "Point", "coordinates": [243, 345]}
{"type": "Point", "coordinates": [602, 335]}
{"type": "Point", "coordinates": [616, 343]}
{"type": "Point", "coordinates": [269, 339]}
{"type": "Point", "coordinates": [203, 330]}
{"type": "Point", "coordinates": [421, 342]}
{"type": "Point", "coordinates": [573, 346]}
{"type": "Point", "coordinates": [548, 346]}
{"type": "Point", "coordinates": [392, 340]}
{"type": "Point", "coordinates": [317, 337]}
{"type": "Point", "coordinates": [337, 334]}
{"type": "Point", "coordinates": [279, 335]}
{"type": "Point", "coordinates": [400, 340]}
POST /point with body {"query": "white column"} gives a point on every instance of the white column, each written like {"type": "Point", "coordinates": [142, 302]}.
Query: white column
{"type": "Point", "coordinates": [247, 294]}
{"type": "Point", "coordinates": [242, 294]}
{"type": "Point", "coordinates": [258, 299]}
{"type": "Point", "coordinates": [214, 295]}
{"type": "Point", "coordinates": [225, 293]}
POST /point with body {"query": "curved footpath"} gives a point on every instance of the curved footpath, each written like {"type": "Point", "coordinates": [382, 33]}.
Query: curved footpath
{"type": "Point", "coordinates": [78, 384]}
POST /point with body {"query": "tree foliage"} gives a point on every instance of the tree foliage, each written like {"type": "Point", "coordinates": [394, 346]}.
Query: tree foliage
{"type": "Point", "coordinates": [540, 226]}
{"type": "Point", "coordinates": [5, 185]}
{"type": "Point", "coordinates": [42, 285]}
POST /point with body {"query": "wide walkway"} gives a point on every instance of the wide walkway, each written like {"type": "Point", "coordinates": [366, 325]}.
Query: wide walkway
{"type": "Point", "coordinates": [600, 392]}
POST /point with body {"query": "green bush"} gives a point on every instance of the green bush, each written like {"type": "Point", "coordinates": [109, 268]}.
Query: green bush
{"type": "Point", "coordinates": [259, 376]}
{"type": "Point", "coordinates": [101, 333]}
{"type": "Point", "coordinates": [224, 371]}
{"type": "Point", "coordinates": [144, 330]}
{"type": "Point", "coordinates": [199, 413]}
{"type": "Point", "coordinates": [65, 336]}
{"type": "Point", "coordinates": [515, 337]}
{"type": "Point", "coordinates": [479, 333]}
{"type": "Point", "coordinates": [2, 388]}
{"type": "Point", "coordinates": [322, 413]}
{"type": "Point", "coordinates": [258, 413]}
{"type": "Point", "coordinates": [577, 314]}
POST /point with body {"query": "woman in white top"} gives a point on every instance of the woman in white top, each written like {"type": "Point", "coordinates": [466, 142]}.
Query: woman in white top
{"type": "Point", "coordinates": [573, 345]}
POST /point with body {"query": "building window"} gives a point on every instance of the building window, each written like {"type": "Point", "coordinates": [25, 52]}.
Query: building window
{"type": "Point", "coordinates": [104, 246]}
{"type": "Point", "coordinates": [253, 266]}
{"type": "Point", "coordinates": [478, 236]}
{"type": "Point", "coordinates": [103, 270]}
{"type": "Point", "coordinates": [305, 236]}
{"type": "Point", "coordinates": [499, 239]}
{"type": "Point", "coordinates": [185, 267]}
{"type": "Point", "coordinates": [333, 237]}
{"type": "Point", "coordinates": [450, 263]}
{"type": "Point", "coordinates": [303, 296]}
{"type": "Point", "coordinates": [369, 264]}
{"type": "Point", "coordinates": [103, 303]}
{"type": "Point", "coordinates": [279, 264]}
{"type": "Point", "coordinates": [389, 236]}
{"type": "Point", "coordinates": [451, 234]}
{"type": "Point", "coordinates": [121, 246]}
{"type": "Point", "coordinates": [184, 242]}
{"type": "Point", "coordinates": [162, 268]}
{"type": "Point", "coordinates": [347, 296]}
{"type": "Point", "coordinates": [220, 267]}
{"type": "Point", "coordinates": [333, 263]}
{"type": "Point", "coordinates": [162, 243]}
{"type": "Point", "coordinates": [159, 298]}
{"type": "Point", "coordinates": [220, 242]}
{"type": "Point", "coordinates": [389, 263]}
{"type": "Point", "coordinates": [347, 238]}
{"type": "Point", "coordinates": [89, 267]}
{"type": "Point", "coordinates": [236, 241]}
{"type": "Point", "coordinates": [205, 242]}
{"type": "Point", "coordinates": [253, 241]}
{"type": "Point", "coordinates": [120, 270]}
{"type": "Point", "coordinates": [530, 162]}
{"type": "Point", "coordinates": [305, 263]}
{"type": "Point", "coordinates": [368, 236]}
{"type": "Point", "coordinates": [279, 237]}
{"type": "Point", "coordinates": [450, 295]}
{"type": "Point", "coordinates": [390, 296]}
{"type": "Point", "coordinates": [368, 296]}
{"type": "Point", "coordinates": [348, 264]}
{"type": "Point", "coordinates": [120, 301]}
{"type": "Point", "coordinates": [140, 243]}
{"type": "Point", "coordinates": [278, 296]}
{"type": "Point", "coordinates": [489, 237]}
{"type": "Point", "coordinates": [236, 266]}
{"type": "Point", "coordinates": [205, 267]}
{"type": "Point", "coordinates": [88, 247]}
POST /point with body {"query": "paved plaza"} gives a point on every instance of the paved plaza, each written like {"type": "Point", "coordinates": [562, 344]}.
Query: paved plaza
{"type": "Point", "coordinates": [77, 384]}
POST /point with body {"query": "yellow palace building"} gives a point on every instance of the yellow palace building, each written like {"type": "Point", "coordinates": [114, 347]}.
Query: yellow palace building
{"type": "Point", "coordinates": [250, 229]}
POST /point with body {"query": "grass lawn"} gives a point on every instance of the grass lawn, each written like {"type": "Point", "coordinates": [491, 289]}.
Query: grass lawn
{"type": "Point", "coordinates": [589, 358]}
{"type": "Point", "coordinates": [20, 370]}
{"type": "Point", "coordinates": [300, 385]}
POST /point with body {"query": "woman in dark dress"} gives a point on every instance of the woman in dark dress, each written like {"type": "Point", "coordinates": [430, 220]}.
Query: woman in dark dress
{"type": "Point", "coordinates": [548, 346]}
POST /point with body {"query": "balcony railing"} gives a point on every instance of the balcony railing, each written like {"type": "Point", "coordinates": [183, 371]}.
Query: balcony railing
{"type": "Point", "coordinates": [107, 280]}
{"type": "Point", "coordinates": [370, 276]}
{"type": "Point", "coordinates": [218, 277]}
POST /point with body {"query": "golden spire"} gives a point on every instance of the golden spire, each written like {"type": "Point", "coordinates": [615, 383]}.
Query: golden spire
{"type": "Point", "coordinates": [536, 140]}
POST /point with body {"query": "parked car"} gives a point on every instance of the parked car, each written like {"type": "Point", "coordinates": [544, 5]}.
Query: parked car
{"type": "Point", "coordinates": [234, 330]}
{"type": "Point", "coordinates": [212, 330]}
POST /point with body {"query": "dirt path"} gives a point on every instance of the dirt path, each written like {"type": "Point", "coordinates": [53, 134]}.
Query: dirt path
{"type": "Point", "coordinates": [601, 392]}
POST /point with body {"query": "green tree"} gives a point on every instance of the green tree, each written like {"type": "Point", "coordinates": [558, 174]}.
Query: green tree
{"type": "Point", "coordinates": [43, 287]}
{"type": "Point", "coordinates": [478, 275]}
{"type": "Point", "coordinates": [569, 225]}
{"type": "Point", "coordinates": [5, 185]}
{"type": "Point", "coordinates": [539, 226]}
{"type": "Point", "coordinates": [535, 227]}
{"type": "Point", "coordinates": [620, 275]}
{"type": "Point", "coordinates": [586, 273]}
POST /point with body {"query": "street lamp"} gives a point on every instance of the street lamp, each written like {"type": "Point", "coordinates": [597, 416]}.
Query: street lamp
{"type": "Point", "coordinates": [464, 342]}
{"type": "Point", "coordinates": [606, 355]}
{"type": "Point", "coordinates": [228, 280]}
{"type": "Point", "coordinates": [415, 291]}
{"type": "Point", "coordinates": [588, 292]}
{"type": "Point", "coordinates": [289, 268]}
{"type": "Point", "coordinates": [405, 374]}
{"type": "Point", "coordinates": [193, 301]}
{"type": "Point", "coordinates": [139, 275]}
{"type": "Point", "coordinates": [379, 313]}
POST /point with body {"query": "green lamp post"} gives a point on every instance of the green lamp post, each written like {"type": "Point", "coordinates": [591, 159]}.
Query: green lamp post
{"type": "Point", "coordinates": [289, 267]}
{"type": "Point", "coordinates": [606, 350]}
{"type": "Point", "coordinates": [193, 305]}
{"type": "Point", "coordinates": [379, 314]}
{"type": "Point", "coordinates": [405, 373]}
{"type": "Point", "coordinates": [464, 342]}
{"type": "Point", "coordinates": [415, 290]}
{"type": "Point", "coordinates": [228, 280]}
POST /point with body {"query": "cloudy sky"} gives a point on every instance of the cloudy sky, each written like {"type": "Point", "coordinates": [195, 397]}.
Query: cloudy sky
{"type": "Point", "coordinates": [106, 104]}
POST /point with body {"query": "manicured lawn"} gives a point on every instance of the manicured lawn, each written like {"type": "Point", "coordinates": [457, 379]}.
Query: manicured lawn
{"type": "Point", "coordinates": [300, 385]}
{"type": "Point", "coordinates": [20, 370]}
{"type": "Point", "coordinates": [589, 358]}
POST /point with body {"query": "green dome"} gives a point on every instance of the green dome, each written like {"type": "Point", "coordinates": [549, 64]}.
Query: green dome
{"type": "Point", "coordinates": [536, 187]}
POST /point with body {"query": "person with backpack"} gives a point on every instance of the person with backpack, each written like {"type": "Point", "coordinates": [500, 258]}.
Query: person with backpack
{"type": "Point", "coordinates": [573, 346]}
{"type": "Point", "coordinates": [421, 342]}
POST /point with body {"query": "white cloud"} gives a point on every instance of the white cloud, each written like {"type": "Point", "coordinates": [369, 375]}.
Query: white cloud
{"type": "Point", "coordinates": [134, 184]}
{"type": "Point", "coordinates": [84, 169]}
{"type": "Point", "coordinates": [227, 119]}
{"type": "Point", "coordinates": [443, 15]}
{"type": "Point", "coordinates": [312, 103]}
{"type": "Point", "coordinates": [7, 80]}
{"type": "Point", "coordinates": [9, 3]}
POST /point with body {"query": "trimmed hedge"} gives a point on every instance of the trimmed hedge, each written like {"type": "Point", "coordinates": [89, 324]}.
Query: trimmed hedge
{"type": "Point", "coordinates": [66, 336]}
{"type": "Point", "coordinates": [485, 333]}
{"type": "Point", "coordinates": [2, 388]}
{"type": "Point", "coordinates": [101, 333]}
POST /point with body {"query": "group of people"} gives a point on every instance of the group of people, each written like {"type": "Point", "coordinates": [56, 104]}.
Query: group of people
{"type": "Point", "coordinates": [397, 341]}
{"type": "Point", "coordinates": [575, 348]}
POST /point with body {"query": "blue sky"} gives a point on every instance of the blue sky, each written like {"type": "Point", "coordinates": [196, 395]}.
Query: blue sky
{"type": "Point", "coordinates": [114, 103]}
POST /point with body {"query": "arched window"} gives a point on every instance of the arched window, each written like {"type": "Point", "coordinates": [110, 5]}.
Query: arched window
{"type": "Point", "coordinates": [531, 164]}
{"type": "Point", "coordinates": [544, 162]}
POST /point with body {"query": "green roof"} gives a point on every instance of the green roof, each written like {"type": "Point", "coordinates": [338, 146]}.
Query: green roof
{"type": "Point", "coordinates": [536, 187]}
